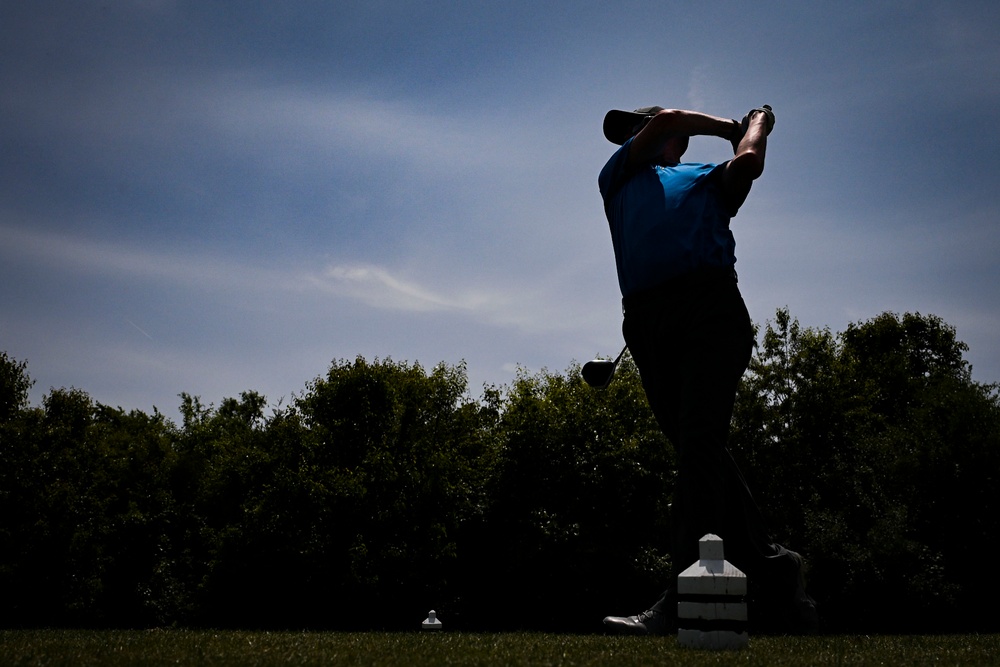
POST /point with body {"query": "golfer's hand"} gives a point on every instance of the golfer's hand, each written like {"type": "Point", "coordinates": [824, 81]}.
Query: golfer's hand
{"type": "Point", "coordinates": [739, 129]}
{"type": "Point", "coordinates": [766, 110]}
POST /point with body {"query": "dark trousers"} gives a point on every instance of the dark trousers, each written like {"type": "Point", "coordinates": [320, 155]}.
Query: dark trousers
{"type": "Point", "coordinates": [692, 341]}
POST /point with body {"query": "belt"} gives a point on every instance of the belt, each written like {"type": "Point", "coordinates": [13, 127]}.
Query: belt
{"type": "Point", "coordinates": [681, 283]}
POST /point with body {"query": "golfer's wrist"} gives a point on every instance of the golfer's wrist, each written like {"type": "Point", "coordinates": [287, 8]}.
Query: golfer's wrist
{"type": "Point", "coordinates": [734, 130]}
{"type": "Point", "coordinates": [765, 115]}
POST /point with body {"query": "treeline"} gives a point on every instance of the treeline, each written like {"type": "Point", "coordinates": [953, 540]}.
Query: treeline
{"type": "Point", "coordinates": [384, 490]}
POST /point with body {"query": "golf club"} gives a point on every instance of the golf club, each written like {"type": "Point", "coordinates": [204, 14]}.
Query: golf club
{"type": "Point", "coordinates": [598, 372]}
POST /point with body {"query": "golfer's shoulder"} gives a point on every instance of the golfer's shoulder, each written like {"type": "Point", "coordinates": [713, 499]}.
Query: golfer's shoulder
{"type": "Point", "coordinates": [616, 172]}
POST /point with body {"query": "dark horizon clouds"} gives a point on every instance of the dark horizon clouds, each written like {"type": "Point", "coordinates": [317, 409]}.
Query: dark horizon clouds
{"type": "Point", "coordinates": [213, 197]}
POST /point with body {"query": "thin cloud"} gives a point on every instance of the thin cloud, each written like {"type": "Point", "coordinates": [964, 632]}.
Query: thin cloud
{"type": "Point", "coordinates": [528, 309]}
{"type": "Point", "coordinates": [552, 305]}
{"type": "Point", "coordinates": [378, 288]}
{"type": "Point", "coordinates": [77, 254]}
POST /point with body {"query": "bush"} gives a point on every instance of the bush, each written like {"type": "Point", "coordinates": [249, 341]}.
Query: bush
{"type": "Point", "coordinates": [579, 504]}
{"type": "Point", "coordinates": [875, 452]}
{"type": "Point", "coordinates": [385, 490]}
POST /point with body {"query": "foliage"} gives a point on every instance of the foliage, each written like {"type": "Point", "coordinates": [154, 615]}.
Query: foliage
{"type": "Point", "coordinates": [579, 502]}
{"type": "Point", "coordinates": [14, 386]}
{"type": "Point", "coordinates": [877, 454]}
{"type": "Point", "coordinates": [384, 490]}
{"type": "Point", "coordinates": [85, 511]}
{"type": "Point", "coordinates": [348, 501]}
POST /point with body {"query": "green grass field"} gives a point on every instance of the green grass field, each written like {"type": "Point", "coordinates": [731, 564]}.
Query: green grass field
{"type": "Point", "coordinates": [416, 649]}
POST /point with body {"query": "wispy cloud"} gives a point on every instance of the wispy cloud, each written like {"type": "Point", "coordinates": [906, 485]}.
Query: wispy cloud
{"type": "Point", "coordinates": [541, 307]}
{"type": "Point", "coordinates": [697, 85]}
{"type": "Point", "coordinates": [379, 288]}
{"type": "Point", "coordinates": [552, 304]}
{"type": "Point", "coordinates": [245, 113]}
{"type": "Point", "coordinates": [84, 256]}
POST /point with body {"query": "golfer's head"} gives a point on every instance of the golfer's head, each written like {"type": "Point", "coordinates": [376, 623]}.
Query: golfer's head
{"type": "Point", "coordinates": [620, 126]}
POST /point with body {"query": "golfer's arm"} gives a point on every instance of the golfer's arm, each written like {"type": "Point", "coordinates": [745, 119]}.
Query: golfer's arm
{"type": "Point", "coordinates": [747, 165]}
{"type": "Point", "coordinates": [749, 158]}
{"type": "Point", "coordinates": [648, 144]}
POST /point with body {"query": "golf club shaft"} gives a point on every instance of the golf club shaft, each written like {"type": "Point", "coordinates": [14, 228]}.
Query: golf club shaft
{"type": "Point", "coordinates": [620, 355]}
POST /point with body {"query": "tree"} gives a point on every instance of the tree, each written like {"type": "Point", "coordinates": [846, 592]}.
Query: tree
{"type": "Point", "coordinates": [580, 502]}
{"type": "Point", "coordinates": [872, 451]}
{"type": "Point", "coordinates": [85, 508]}
{"type": "Point", "coordinates": [385, 486]}
{"type": "Point", "coordinates": [937, 433]}
{"type": "Point", "coordinates": [14, 386]}
{"type": "Point", "coordinates": [352, 500]}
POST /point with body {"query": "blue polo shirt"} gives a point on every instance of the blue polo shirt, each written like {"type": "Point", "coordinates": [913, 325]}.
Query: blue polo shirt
{"type": "Point", "coordinates": [665, 221]}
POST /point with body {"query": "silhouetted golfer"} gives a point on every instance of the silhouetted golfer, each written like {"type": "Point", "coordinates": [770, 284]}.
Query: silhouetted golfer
{"type": "Point", "coordinates": [691, 338]}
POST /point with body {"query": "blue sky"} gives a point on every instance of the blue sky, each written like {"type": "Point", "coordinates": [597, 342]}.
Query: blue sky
{"type": "Point", "coordinates": [214, 197]}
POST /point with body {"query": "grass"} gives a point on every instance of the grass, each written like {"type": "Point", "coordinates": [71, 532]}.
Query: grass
{"type": "Point", "coordinates": [416, 649]}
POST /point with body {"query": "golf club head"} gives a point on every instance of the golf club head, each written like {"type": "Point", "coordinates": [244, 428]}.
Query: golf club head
{"type": "Point", "coordinates": [598, 372]}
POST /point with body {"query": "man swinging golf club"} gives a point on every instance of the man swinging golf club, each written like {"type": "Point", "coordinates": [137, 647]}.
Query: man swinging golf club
{"type": "Point", "coordinates": [691, 338]}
